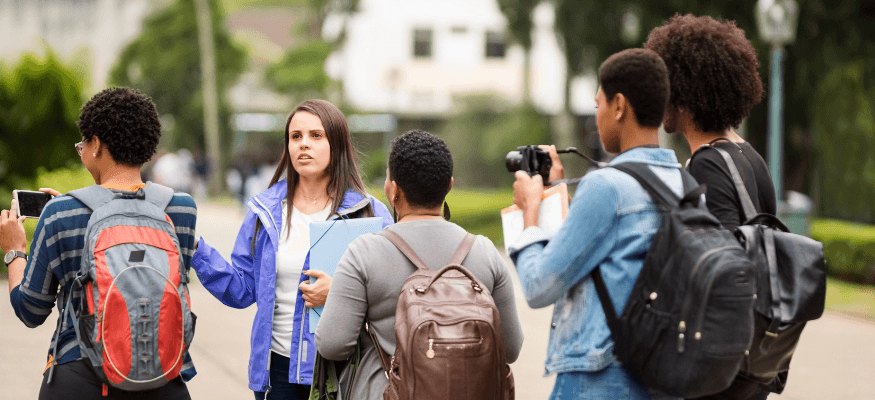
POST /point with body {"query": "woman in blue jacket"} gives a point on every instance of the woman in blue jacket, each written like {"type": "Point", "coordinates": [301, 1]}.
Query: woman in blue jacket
{"type": "Point", "coordinates": [270, 260]}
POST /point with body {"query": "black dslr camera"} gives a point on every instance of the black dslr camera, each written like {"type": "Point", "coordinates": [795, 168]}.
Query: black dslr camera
{"type": "Point", "coordinates": [530, 159]}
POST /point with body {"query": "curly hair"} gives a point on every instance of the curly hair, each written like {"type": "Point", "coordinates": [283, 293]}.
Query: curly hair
{"type": "Point", "coordinates": [641, 76]}
{"type": "Point", "coordinates": [713, 69]}
{"type": "Point", "coordinates": [422, 166]}
{"type": "Point", "coordinates": [126, 121]}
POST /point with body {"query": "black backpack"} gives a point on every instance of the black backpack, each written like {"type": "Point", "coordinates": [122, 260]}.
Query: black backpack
{"type": "Point", "coordinates": [689, 319]}
{"type": "Point", "coordinates": [789, 265]}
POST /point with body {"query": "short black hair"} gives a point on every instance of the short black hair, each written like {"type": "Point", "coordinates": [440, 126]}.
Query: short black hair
{"type": "Point", "coordinates": [422, 166]}
{"type": "Point", "coordinates": [126, 121]}
{"type": "Point", "coordinates": [641, 76]}
{"type": "Point", "coordinates": [713, 69]}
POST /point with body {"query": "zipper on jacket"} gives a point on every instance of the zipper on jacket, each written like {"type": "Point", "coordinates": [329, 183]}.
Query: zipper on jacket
{"type": "Point", "coordinates": [686, 307]}
{"type": "Point", "coordinates": [301, 340]}
{"type": "Point", "coordinates": [304, 314]}
{"type": "Point", "coordinates": [273, 303]}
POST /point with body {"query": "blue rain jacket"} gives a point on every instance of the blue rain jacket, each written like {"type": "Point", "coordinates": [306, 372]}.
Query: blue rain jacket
{"type": "Point", "coordinates": [251, 278]}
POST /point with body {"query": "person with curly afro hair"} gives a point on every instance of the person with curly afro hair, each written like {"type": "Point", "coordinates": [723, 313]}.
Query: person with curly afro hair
{"type": "Point", "coordinates": [124, 123]}
{"type": "Point", "coordinates": [713, 70]}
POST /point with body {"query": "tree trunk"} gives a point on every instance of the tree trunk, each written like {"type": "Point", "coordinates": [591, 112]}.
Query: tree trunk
{"type": "Point", "coordinates": [527, 76]}
{"type": "Point", "coordinates": [564, 127]}
{"type": "Point", "coordinates": [210, 93]}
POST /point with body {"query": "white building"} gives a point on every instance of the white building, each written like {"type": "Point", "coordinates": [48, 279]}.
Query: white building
{"type": "Point", "coordinates": [90, 33]}
{"type": "Point", "coordinates": [415, 56]}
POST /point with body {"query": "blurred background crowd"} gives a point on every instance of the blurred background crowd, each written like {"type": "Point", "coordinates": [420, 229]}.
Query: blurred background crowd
{"type": "Point", "coordinates": [484, 75]}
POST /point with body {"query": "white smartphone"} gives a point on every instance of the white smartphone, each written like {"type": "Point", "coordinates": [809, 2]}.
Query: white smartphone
{"type": "Point", "coordinates": [30, 203]}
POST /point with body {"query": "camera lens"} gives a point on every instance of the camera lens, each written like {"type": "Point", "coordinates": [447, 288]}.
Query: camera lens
{"type": "Point", "coordinates": [514, 161]}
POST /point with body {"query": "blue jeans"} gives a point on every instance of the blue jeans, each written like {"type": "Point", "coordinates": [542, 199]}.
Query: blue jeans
{"type": "Point", "coordinates": [280, 388]}
{"type": "Point", "coordinates": [611, 383]}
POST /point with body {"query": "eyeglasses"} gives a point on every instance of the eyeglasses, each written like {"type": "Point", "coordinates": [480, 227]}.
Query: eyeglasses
{"type": "Point", "coordinates": [79, 147]}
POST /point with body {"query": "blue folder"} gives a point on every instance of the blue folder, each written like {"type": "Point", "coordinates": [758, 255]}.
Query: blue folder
{"type": "Point", "coordinates": [328, 243]}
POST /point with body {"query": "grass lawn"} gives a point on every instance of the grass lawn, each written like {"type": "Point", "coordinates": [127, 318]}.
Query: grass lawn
{"type": "Point", "coordinates": [850, 298]}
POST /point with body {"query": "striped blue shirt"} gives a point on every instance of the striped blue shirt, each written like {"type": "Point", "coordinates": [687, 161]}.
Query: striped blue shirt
{"type": "Point", "coordinates": [54, 260]}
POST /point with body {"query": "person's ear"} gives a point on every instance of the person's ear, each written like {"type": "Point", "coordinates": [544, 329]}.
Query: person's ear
{"type": "Point", "coordinates": [392, 193]}
{"type": "Point", "coordinates": [618, 106]}
{"type": "Point", "coordinates": [451, 184]}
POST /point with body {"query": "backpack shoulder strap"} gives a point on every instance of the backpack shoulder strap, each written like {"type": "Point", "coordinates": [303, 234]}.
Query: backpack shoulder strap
{"type": "Point", "coordinates": [605, 298]}
{"type": "Point", "coordinates": [650, 182]}
{"type": "Point", "coordinates": [463, 250]}
{"type": "Point", "coordinates": [743, 196]}
{"type": "Point", "coordinates": [159, 195]}
{"type": "Point", "coordinates": [405, 248]}
{"type": "Point", "coordinates": [94, 196]}
{"type": "Point", "coordinates": [384, 358]}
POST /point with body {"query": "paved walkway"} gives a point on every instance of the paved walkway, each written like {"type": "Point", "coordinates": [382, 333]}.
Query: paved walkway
{"type": "Point", "coordinates": [835, 358]}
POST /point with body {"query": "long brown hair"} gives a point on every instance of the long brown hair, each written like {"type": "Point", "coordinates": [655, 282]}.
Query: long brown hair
{"type": "Point", "coordinates": [343, 168]}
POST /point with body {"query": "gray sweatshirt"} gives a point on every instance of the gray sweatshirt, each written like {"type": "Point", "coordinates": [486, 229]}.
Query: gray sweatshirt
{"type": "Point", "coordinates": [367, 283]}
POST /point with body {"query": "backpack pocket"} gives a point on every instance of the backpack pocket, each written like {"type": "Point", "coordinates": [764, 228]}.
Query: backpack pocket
{"type": "Point", "coordinates": [719, 338]}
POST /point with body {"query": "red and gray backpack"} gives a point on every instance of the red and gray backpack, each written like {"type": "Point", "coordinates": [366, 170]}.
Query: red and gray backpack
{"type": "Point", "coordinates": [134, 321]}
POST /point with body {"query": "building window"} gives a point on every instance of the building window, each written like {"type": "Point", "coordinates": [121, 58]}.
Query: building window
{"type": "Point", "coordinates": [496, 44]}
{"type": "Point", "coordinates": [422, 42]}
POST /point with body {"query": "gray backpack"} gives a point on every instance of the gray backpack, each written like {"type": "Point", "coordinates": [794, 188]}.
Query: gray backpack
{"type": "Point", "coordinates": [134, 321]}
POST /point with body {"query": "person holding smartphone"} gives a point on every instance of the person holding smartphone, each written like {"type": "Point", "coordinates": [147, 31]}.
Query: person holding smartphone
{"type": "Point", "coordinates": [120, 132]}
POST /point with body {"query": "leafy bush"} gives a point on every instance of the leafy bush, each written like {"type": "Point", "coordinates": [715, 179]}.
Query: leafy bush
{"type": "Point", "coordinates": [62, 180]}
{"type": "Point", "coordinates": [476, 210]}
{"type": "Point", "coordinates": [849, 249]}
{"type": "Point", "coordinates": [39, 106]}
{"type": "Point", "coordinates": [845, 114]}
{"type": "Point", "coordinates": [481, 134]}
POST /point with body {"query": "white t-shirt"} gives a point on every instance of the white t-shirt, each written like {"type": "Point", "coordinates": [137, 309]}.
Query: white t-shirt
{"type": "Point", "coordinates": [289, 264]}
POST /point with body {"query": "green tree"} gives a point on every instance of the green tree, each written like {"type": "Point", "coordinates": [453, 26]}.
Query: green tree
{"type": "Point", "coordinates": [164, 63]}
{"type": "Point", "coordinates": [482, 132]}
{"type": "Point", "coordinates": [301, 71]}
{"type": "Point", "coordinates": [839, 33]}
{"type": "Point", "coordinates": [39, 107]}
{"type": "Point", "coordinates": [519, 22]}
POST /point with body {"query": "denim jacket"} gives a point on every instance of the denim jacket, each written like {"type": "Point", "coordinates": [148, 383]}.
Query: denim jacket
{"type": "Point", "coordinates": [610, 224]}
{"type": "Point", "coordinates": [251, 278]}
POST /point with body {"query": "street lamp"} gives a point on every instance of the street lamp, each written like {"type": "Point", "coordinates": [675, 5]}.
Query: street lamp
{"type": "Point", "coordinates": [776, 20]}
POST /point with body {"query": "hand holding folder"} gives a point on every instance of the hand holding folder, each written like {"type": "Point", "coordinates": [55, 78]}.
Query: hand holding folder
{"type": "Point", "coordinates": [329, 241]}
{"type": "Point", "coordinates": [551, 214]}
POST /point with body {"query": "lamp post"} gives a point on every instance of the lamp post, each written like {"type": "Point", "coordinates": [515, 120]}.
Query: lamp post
{"type": "Point", "coordinates": [776, 20]}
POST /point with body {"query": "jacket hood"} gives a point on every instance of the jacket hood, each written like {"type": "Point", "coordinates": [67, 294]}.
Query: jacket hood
{"type": "Point", "coordinates": [273, 196]}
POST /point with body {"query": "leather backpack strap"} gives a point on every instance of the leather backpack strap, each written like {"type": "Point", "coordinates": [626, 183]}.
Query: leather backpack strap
{"type": "Point", "coordinates": [464, 249]}
{"type": "Point", "coordinates": [384, 359]}
{"type": "Point", "coordinates": [743, 196]}
{"type": "Point", "coordinates": [772, 331]}
{"type": "Point", "coordinates": [405, 248]}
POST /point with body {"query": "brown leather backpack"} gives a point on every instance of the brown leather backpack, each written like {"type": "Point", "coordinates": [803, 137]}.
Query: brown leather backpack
{"type": "Point", "coordinates": [448, 335]}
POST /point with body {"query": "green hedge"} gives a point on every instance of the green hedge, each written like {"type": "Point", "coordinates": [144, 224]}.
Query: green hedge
{"type": "Point", "coordinates": [849, 249]}
{"type": "Point", "coordinates": [62, 180]}
{"type": "Point", "coordinates": [476, 210]}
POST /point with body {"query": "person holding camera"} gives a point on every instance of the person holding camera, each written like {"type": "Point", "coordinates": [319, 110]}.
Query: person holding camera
{"type": "Point", "coordinates": [610, 225]}
{"type": "Point", "coordinates": [120, 132]}
{"type": "Point", "coordinates": [705, 109]}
